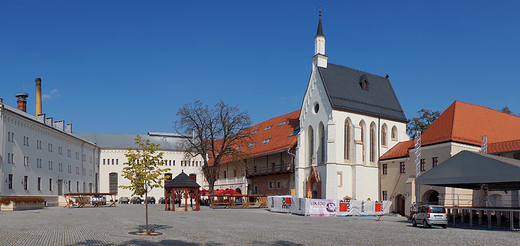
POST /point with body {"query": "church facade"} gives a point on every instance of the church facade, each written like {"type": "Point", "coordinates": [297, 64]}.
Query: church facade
{"type": "Point", "coordinates": [348, 119]}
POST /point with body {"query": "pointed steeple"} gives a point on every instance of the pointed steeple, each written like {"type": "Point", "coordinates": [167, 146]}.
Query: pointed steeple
{"type": "Point", "coordinates": [319, 59]}
{"type": "Point", "coordinates": [320, 29]}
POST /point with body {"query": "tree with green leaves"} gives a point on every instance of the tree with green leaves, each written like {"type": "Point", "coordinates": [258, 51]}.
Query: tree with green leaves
{"type": "Point", "coordinates": [215, 134]}
{"type": "Point", "coordinates": [143, 171]}
{"type": "Point", "coordinates": [421, 123]}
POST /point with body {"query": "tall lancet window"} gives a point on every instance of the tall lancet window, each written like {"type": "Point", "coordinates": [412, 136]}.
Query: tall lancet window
{"type": "Point", "coordinates": [311, 145]}
{"type": "Point", "coordinates": [346, 140]}
{"type": "Point", "coordinates": [383, 135]}
{"type": "Point", "coordinates": [372, 142]}
{"type": "Point", "coordinates": [322, 143]}
{"type": "Point", "coordinates": [361, 125]}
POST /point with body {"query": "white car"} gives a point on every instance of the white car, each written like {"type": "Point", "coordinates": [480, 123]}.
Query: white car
{"type": "Point", "coordinates": [429, 215]}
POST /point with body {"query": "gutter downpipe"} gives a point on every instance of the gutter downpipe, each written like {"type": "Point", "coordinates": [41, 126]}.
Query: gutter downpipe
{"type": "Point", "coordinates": [2, 142]}
{"type": "Point", "coordinates": [81, 171]}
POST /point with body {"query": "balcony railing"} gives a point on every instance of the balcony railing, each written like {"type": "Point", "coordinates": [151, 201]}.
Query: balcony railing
{"type": "Point", "coordinates": [270, 170]}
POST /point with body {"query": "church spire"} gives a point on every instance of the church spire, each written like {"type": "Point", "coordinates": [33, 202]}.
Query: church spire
{"type": "Point", "coordinates": [320, 29]}
{"type": "Point", "coordinates": [319, 59]}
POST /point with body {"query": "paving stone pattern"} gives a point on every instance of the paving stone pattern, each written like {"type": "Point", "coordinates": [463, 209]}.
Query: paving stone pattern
{"type": "Point", "coordinates": [110, 226]}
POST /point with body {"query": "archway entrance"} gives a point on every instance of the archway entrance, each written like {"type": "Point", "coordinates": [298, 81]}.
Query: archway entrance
{"type": "Point", "coordinates": [399, 204]}
{"type": "Point", "coordinates": [430, 197]}
{"type": "Point", "coordinates": [313, 185]}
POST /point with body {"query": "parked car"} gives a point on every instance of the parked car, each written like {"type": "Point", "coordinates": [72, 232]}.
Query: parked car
{"type": "Point", "coordinates": [162, 200]}
{"type": "Point", "coordinates": [429, 215]}
{"type": "Point", "coordinates": [97, 199]}
{"type": "Point", "coordinates": [135, 200]}
{"type": "Point", "coordinates": [151, 199]}
{"type": "Point", "coordinates": [123, 200]}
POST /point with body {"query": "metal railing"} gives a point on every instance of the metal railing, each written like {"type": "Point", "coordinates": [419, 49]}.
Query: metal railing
{"type": "Point", "coordinates": [269, 170]}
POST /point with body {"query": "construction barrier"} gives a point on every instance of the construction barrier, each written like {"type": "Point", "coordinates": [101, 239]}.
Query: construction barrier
{"type": "Point", "coordinates": [357, 207]}
{"type": "Point", "coordinates": [326, 207]}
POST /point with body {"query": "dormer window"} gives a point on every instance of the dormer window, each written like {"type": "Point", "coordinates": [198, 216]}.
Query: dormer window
{"type": "Point", "coordinates": [267, 128]}
{"type": "Point", "coordinates": [266, 141]}
{"type": "Point", "coordinates": [239, 147]}
{"type": "Point", "coordinates": [254, 132]}
{"type": "Point", "coordinates": [252, 144]}
{"type": "Point", "coordinates": [364, 82]}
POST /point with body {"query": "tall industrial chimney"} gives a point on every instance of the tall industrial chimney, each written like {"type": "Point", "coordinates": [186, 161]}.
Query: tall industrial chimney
{"type": "Point", "coordinates": [38, 96]}
{"type": "Point", "coordinates": [22, 103]}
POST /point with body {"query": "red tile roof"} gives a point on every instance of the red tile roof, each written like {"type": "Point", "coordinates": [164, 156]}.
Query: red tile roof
{"type": "Point", "coordinates": [399, 150]}
{"type": "Point", "coordinates": [506, 146]}
{"type": "Point", "coordinates": [274, 135]}
{"type": "Point", "coordinates": [466, 123]}
{"type": "Point", "coordinates": [278, 133]}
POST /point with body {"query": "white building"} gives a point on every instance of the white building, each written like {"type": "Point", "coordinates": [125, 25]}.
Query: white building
{"type": "Point", "coordinates": [41, 157]}
{"type": "Point", "coordinates": [113, 148]}
{"type": "Point", "coordinates": [348, 119]}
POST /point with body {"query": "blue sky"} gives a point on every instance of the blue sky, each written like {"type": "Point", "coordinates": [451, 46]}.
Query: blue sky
{"type": "Point", "coordinates": [128, 66]}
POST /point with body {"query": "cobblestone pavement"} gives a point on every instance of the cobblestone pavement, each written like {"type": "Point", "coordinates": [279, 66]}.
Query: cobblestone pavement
{"type": "Point", "coordinates": [110, 226]}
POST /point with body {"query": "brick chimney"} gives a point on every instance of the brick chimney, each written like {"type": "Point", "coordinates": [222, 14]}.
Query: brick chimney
{"type": "Point", "coordinates": [22, 103]}
{"type": "Point", "coordinates": [38, 96]}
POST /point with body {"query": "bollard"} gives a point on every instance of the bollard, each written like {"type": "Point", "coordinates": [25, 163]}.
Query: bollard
{"type": "Point", "coordinates": [470, 217]}
{"type": "Point", "coordinates": [499, 218]}
{"type": "Point", "coordinates": [480, 216]}
{"type": "Point", "coordinates": [489, 219]}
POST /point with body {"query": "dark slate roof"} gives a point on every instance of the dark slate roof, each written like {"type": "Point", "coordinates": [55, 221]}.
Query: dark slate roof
{"type": "Point", "coordinates": [167, 141]}
{"type": "Point", "coordinates": [182, 180]}
{"type": "Point", "coordinates": [343, 87]}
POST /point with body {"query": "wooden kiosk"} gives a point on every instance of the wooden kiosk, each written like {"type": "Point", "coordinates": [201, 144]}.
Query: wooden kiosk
{"type": "Point", "coordinates": [181, 185]}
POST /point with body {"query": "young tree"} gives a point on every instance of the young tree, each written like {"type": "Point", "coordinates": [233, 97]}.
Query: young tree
{"type": "Point", "coordinates": [214, 134]}
{"type": "Point", "coordinates": [142, 169]}
{"type": "Point", "coordinates": [421, 123]}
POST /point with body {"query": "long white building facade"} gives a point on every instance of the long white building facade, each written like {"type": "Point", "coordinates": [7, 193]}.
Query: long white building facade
{"type": "Point", "coordinates": [113, 148]}
{"type": "Point", "coordinates": [41, 157]}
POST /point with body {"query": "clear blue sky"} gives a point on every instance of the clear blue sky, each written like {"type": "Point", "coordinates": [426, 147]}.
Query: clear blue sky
{"type": "Point", "coordinates": [128, 66]}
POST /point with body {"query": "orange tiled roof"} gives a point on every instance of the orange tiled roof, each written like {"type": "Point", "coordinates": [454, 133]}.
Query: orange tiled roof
{"type": "Point", "coordinates": [399, 150]}
{"type": "Point", "coordinates": [280, 135]}
{"type": "Point", "coordinates": [506, 146]}
{"type": "Point", "coordinates": [279, 132]}
{"type": "Point", "coordinates": [466, 123]}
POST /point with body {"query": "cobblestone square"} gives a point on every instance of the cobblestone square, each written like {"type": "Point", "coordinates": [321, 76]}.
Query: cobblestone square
{"type": "Point", "coordinates": [110, 226]}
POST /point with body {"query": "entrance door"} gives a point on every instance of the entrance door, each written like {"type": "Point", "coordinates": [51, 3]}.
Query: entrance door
{"type": "Point", "coordinates": [60, 187]}
{"type": "Point", "coordinates": [400, 204]}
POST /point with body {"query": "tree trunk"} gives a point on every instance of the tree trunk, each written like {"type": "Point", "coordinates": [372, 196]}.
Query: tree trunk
{"type": "Point", "coordinates": [146, 205]}
{"type": "Point", "coordinates": [211, 173]}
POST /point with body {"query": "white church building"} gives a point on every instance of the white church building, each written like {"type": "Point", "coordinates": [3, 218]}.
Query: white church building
{"type": "Point", "coordinates": [348, 119]}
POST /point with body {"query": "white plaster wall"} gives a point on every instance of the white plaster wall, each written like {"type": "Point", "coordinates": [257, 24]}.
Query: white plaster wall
{"type": "Point", "coordinates": [119, 154]}
{"type": "Point", "coordinates": [36, 131]}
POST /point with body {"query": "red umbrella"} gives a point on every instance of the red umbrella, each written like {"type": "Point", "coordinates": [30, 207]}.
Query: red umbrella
{"type": "Point", "coordinates": [230, 192]}
{"type": "Point", "coordinates": [218, 192]}
{"type": "Point", "coordinates": [204, 192]}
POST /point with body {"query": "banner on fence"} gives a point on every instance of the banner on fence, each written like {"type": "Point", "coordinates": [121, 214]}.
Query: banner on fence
{"type": "Point", "coordinates": [326, 207]}
{"type": "Point", "coordinates": [356, 207]}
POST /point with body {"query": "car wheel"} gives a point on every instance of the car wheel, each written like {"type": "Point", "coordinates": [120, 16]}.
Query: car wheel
{"type": "Point", "coordinates": [414, 223]}
{"type": "Point", "coordinates": [444, 226]}
{"type": "Point", "coordinates": [425, 224]}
